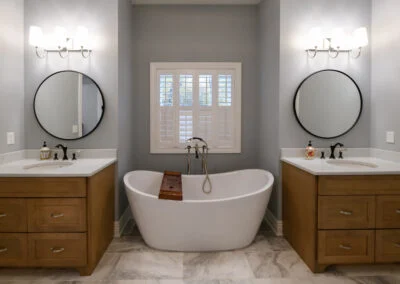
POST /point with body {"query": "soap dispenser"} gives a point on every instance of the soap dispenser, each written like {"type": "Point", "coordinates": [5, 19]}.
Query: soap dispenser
{"type": "Point", "coordinates": [45, 152]}
{"type": "Point", "coordinates": [310, 151]}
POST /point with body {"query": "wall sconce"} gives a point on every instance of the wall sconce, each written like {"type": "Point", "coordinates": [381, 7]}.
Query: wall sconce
{"type": "Point", "coordinates": [65, 44]}
{"type": "Point", "coordinates": [338, 42]}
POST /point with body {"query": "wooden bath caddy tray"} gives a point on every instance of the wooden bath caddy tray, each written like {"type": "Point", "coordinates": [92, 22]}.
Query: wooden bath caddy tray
{"type": "Point", "coordinates": [171, 186]}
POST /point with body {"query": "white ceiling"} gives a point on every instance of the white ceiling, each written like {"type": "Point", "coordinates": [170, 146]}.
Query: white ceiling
{"type": "Point", "coordinates": [195, 2]}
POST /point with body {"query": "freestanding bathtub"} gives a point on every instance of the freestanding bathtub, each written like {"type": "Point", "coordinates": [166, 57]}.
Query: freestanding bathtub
{"type": "Point", "coordinates": [225, 219]}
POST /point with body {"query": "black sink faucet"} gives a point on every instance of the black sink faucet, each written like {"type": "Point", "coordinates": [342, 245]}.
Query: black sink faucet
{"type": "Point", "coordinates": [333, 147]}
{"type": "Point", "coordinates": [64, 148]}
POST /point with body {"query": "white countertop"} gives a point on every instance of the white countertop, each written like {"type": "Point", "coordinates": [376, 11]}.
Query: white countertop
{"type": "Point", "coordinates": [321, 167]}
{"type": "Point", "coordinates": [79, 168]}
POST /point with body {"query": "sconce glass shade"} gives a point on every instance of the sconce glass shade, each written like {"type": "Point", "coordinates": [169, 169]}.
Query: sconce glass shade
{"type": "Point", "coordinates": [314, 38]}
{"type": "Point", "coordinates": [36, 36]}
{"type": "Point", "coordinates": [338, 38]}
{"type": "Point", "coordinates": [360, 37]}
{"type": "Point", "coordinates": [60, 36]}
{"type": "Point", "coordinates": [82, 37]}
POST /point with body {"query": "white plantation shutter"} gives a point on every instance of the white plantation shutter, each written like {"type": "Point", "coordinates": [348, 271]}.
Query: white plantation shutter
{"type": "Point", "coordinates": [195, 99]}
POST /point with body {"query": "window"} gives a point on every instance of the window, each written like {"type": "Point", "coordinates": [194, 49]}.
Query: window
{"type": "Point", "coordinates": [195, 99]}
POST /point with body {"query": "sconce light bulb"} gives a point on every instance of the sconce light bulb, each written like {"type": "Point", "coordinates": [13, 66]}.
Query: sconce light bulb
{"type": "Point", "coordinates": [360, 37]}
{"type": "Point", "coordinates": [314, 38]}
{"type": "Point", "coordinates": [36, 36]}
{"type": "Point", "coordinates": [82, 36]}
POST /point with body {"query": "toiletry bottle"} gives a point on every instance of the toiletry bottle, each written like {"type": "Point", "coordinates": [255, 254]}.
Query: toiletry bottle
{"type": "Point", "coordinates": [310, 151]}
{"type": "Point", "coordinates": [44, 152]}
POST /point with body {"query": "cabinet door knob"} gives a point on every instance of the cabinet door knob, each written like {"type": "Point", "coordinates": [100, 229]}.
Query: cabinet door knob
{"type": "Point", "coordinates": [398, 211]}
{"type": "Point", "coordinates": [57, 250]}
{"type": "Point", "coordinates": [397, 245]}
{"type": "Point", "coordinates": [345, 247]}
{"type": "Point", "coordinates": [3, 250]}
{"type": "Point", "coordinates": [57, 215]}
{"type": "Point", "coordinates": [346, 213]}
{"type": "Point", "coordinates": [2, 215]}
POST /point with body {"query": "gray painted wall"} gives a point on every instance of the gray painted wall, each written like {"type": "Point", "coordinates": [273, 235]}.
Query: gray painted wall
{"type": "Point", "coordinates": [385, 74]}
{"type": "Point", "coordinates": [100, 17]}
{"type": "Point", "coordinates": [195, 33]}
{"type": "Point", "coordinates": [126, 103]}
{"type": "Point", "coordinates": [269, 34]}
{"type": "Point", "coordinates": [11, 74]}
{"type": "Point", "coordinates": [296, 19]}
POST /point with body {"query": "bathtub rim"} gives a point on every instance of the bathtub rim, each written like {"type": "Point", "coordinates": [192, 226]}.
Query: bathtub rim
{"type": "Point", "coordinates": [266, 187]}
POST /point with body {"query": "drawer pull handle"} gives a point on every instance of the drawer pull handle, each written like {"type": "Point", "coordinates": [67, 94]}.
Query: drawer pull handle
{"type": "Point", "coordinates": [55, 215]}
{"type": "Point", "coordinates": [345, 247]}
{"type": "Point", "coordinates": [398, 211]}
{"type": "Point", "coordinates": [3, 250]}
{"type": "Point", "coordinates": [397, 245]}
{"type": "Point", "coordinates": [2, 215]}
{"type": "Point", "coordinates": [57, 250]}
{"type": "Point", "coordinates": [346, 213]}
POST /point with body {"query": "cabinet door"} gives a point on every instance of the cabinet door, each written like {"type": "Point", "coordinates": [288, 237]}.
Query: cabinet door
{"type": "Point", "coordinates": [388, 212]}
{"type": "Point", "coordinates": [13, 249]}
{"type": "Point", "coordinates": [346, 246]}
{"type": "Point", "coordinates": [346, 212]}
{"type": "Point", "coordinates": [57, 215]}
{"type": "Point", "coordinates": [58, 250]}
{"type": "Point", "coordinates": [13, 215]}
{"type": "Point", "coordinates": [387, 246]}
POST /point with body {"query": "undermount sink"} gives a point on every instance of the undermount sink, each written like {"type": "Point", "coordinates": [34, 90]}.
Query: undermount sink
{"type": "Point", "coordinates": [351, 164]}
{"type": "Point", "coordinates": [49, 165]}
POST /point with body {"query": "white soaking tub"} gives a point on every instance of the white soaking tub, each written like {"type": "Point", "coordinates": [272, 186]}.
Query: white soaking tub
{"type": "Point", "coordinates": [225, 219]}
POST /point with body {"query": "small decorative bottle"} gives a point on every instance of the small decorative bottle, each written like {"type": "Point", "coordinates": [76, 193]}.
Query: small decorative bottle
{"type": "Point", "coordinates": [310, 151]}
{"type": "Point", "coordinates": [45, 152]}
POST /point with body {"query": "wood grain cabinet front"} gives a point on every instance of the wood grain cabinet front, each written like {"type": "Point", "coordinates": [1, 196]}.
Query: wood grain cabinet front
{"type": "Point", "coordinates": [57, 215]}
{"type": "Point", "coordinates": [57, 250]}
{"type": "Point", "coordinates": [341, 219]}
{"type": "Point", "coordinates": [346, 212]}
{"type": "Point", "coordinates": [13, 249]}
{"type": "Point", "coordinates": [56, 222]}
{"type": "Point", "coordinates": [387, 246]}
{"type": "Point", "coordinates": [346, 246]}
{"type": "Point", "coordinates": [388, 212]}
{"type": "Point", "coordinates": [13, 215]}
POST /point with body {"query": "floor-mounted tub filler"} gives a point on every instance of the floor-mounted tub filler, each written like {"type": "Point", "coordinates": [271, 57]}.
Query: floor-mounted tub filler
{"type": "Point", "coordinates": [226, 218]}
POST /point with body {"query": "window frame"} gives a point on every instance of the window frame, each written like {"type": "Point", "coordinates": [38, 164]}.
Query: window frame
{"type": "Point", "coordinates": [233, 67]}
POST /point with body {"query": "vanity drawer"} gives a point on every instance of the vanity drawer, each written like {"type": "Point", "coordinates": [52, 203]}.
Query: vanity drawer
{"type": "Point", "coordinates": [347, 246]}
{"type": "Point", "coordinates": [13, 249]}
{"type": "Point", "coordinates": [359, 185]}
{"type": "Point", "coordinates": [388, 212]}
{"type": "Point", "coordinates": [57, 250]}
{"type": "Point", "coordinates": [42, 187]}
{"type": "Point", "coordinates": [346, 212]}
{"type": "Point", "coordinates": [57, 215]}
{"type": "Point", "coordinates": [13, 215]}
{"type": "Point", "coordinates": [387, 246]}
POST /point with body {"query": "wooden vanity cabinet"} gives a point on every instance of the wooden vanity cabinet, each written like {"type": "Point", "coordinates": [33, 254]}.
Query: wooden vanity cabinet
{"type": "Point", "coordinates": [56, 222]}
{"type": "Point", "coordinates": [341, 219]}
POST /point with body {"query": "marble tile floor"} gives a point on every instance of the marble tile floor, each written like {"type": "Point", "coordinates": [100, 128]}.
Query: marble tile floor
{"type": "Point", "coordinates": [269, 259]}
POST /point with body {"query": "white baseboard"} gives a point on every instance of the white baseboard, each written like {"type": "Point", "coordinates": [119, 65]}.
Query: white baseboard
{"type": "Point", "coordinates": [120, 225]}
{"type": "Point", "coordinates": [275, 224]}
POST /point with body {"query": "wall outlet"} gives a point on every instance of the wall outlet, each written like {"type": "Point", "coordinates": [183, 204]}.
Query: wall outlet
{"type": "Point", "coordinates": [74, 128]}
{"type": "Point", "coordinates": [390, 137]}
{"type": "Point", "coordinates": [10, 138]}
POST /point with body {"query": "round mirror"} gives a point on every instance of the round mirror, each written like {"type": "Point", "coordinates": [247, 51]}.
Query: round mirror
{"type": "Point", "coordinates": [69, 105]}
{"type": "Point", "coordinates": [328, 104]}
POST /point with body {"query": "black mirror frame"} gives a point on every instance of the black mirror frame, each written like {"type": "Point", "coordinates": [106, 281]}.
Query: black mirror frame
{"type": "Point", "coordinates": [351, 127]}
{"type": "Point", "coordinates": [70, 139]}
